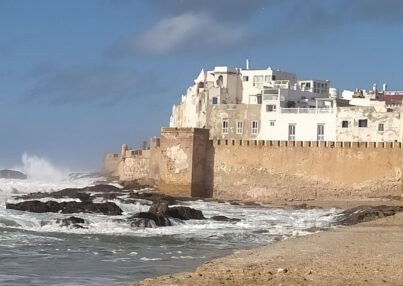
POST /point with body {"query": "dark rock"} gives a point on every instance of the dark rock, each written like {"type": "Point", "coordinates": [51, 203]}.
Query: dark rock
{"type": "Point", "coordinates": [224, 218]}
{"type": "Point", "coordinates": [78, 226]}
{"type": "Point", "coordinates": [159, 208]}
{"type": "Point", "coordinates": [366, 213]}
{"type": "Point", "coordinates": [146, 219]}
{"type": "Point", "coordinates": [12, 174]}
{"type": "Point", "coordinates": [134, 185]}
{"type": "Point", "coordinates": [153, 196]}
{"type": "Point", "coordinates": [304, 206]}
{"type": "Point", "coordinates": [234, 203]}
{"type": "Point", "coordinates": [160, 214]}
{"type": "Point", "coordinates": [84, 194]}
{"type": "Point", "coordinates": [35, 206]}
{"type": "Point", "coordinates": [71, 221]}
{"type": "Point", "coordinates": [252, 204]}
{"type": "Point", "coordinates": [184, 213]}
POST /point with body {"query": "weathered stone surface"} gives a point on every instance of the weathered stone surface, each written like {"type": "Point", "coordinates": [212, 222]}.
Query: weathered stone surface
{"type": "Point", "coordinates": [12, 174]}
{"type": "Point", "coordinates": [159, 208]}
{"type": "Point", "coordinates": [184, 213]}
{"type": "Point", "coordinates": [154, 197]}
{"type": "Point", "coordinates": [72, 222]}
{"type": "Point", "coordinates": [160, 214]}
{"type": "Point", "coordinates": [147, 219]}
{"type": "Point", "coordinates": [79, 193]}
{"type": "Point", "coordinates": [36, 206]}
{"type": "Point", "coordinates": [367, 213]}
{"type": "Point", "coordinates": [224, 218]}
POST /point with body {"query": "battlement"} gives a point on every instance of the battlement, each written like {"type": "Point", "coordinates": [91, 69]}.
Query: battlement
{"type": "Point", "coordinates": [309, 144]}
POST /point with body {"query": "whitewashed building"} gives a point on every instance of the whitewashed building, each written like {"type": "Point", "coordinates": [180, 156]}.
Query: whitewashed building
{"type": "Point", "coordinates": [269, 104]}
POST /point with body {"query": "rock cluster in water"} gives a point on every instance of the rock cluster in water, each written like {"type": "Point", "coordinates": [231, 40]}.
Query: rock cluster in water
{"type": "Point", "coordinates": [12, 174]}
{"type": "Point", "coordinates": [36, 206]}
{"type": "Point", "coordinates": [160, 214]}
{"type": "Point", "coordinates": [366, 213]}
{"type": "Point", "coordinates": [164, 210]}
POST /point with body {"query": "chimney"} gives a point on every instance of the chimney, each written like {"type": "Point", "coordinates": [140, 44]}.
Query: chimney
{"type": "Point", "coordinates": [247, 64]}
{"type": "Point", "coordinates": [385, 87]}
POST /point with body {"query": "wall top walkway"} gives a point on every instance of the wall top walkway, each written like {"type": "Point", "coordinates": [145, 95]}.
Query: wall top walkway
{"type": "Point", "coordinates": [326, 144]}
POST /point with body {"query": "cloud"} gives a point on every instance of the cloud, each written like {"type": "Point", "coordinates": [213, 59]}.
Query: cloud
{"type": "Point", "coordinates": [211, 26]}
{"type": "Point", "coordinates": [101, 84]}
{"type": "Point", "coordinates": [222, 9]}
{"type": "Point", "coordinates": [184, 33]}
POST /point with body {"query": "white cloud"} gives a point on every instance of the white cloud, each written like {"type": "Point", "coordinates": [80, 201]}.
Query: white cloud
{"type": "Point", "coordinates": [186, 32]}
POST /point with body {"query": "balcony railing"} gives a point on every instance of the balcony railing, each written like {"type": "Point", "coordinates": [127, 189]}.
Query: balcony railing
{"type": "Point", "coordinates": [307, 110]}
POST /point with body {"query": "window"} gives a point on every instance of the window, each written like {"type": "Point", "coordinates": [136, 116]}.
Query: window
{"type": "Point", "coordinates": [270, 108]}
{"type": "Point", "coordinates": [215, 100]}
{"type": "Point", "coordinates": [344, 124]}
{"type": "Point", "coordinates": [291, 132]}
{"type": "Point", "coordinates": [381, 127]}
{"type": "Point", "coordinates": [239, 127]}
{"type": "Point", "coordinates": [245, 78]}
{"type": "Point", "coordinates": [272, 122]}
{"type": "Point", "coordinates": [259, 99]}
{"type": "Point", "coordinates": [258, 81]}
{"type": "Point", "coordinates": [321, 132]}
{"type": "Point", "coordinates": [363, 123]}
{"type": "Point", "coordinates": [225, 127]}
{"type": "Point", "coordinates": [255, 127]}
{"type": "Point", "coordinates": [273, 77]}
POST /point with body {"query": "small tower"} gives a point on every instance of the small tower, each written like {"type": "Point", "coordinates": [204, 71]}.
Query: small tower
{"type": "Point", "coordinates": [123, 151]}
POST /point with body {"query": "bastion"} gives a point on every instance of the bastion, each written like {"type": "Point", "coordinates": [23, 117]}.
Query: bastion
{"type": "Point", "coordinates": [185, 162]}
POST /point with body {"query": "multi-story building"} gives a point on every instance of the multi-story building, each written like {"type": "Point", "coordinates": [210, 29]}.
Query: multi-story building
{"type": "Point", "coordinates": [235, 103]}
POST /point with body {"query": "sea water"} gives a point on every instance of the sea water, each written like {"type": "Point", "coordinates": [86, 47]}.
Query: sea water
{"type": "Point", "coordinates": [36, 250]}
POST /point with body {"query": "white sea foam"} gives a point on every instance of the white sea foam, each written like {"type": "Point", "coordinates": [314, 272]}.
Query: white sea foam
{"type": "Point", "coordinates": [257, 224]}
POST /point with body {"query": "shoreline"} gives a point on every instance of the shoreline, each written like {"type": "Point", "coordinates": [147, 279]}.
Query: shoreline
{"type": "Point", "coordinates": [368, 253]}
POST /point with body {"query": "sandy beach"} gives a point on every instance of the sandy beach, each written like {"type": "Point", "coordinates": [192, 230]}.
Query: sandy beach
{"type": "Point", "coordinates": [369, 253]}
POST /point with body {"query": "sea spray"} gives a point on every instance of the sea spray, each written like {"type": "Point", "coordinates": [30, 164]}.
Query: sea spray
{"type": "Point", "coordinates": [41, 169]}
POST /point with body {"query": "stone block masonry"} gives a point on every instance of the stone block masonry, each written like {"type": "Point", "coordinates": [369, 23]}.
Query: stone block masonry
{"type": "Point", "coordinates": [279, 170]}
{"type": "Point", "coordinates": [182, 163]}
{"type": "Point", "coordinates": [187, 163]}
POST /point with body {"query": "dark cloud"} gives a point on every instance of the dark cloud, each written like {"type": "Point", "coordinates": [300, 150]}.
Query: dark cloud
{"type": "Point", "coordinates": [90, 85]}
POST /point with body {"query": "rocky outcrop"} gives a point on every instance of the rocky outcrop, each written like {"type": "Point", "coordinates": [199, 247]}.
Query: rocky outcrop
{"type": "Point", "coordinates": [36, 206]}
{"type": "Point", "coordinates": [160, 214]}
{"type": "Point", "coordinates": [224, 218]}
{"type": "Point", "coordinates": [84, 194]}
{"type": "Point", "coordinates": [147, 219]}
{"type": "Point", "coordinates": [184, 213]}
{"type": "Point", "coordinates": [72, 221]}
{"type": "Point", "coordinates": [366, 213]}
{"type": "Point", "coordinates": [12, 174]}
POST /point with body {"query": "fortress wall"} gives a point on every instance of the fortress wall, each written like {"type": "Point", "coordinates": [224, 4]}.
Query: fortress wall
{"type": "Point", "coordinates": [135, 166]}
{"type": "Point", "coordinates": [141, 165]}
{"type": "Point", "coordinates": [110, 166]}
{"type": "Point", "coordinates": [182, 161]}
{"type": "Point", "coordinates": [275, 170]}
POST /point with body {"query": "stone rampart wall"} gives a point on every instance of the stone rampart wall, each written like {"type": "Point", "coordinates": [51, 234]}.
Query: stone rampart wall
{"type": "Point", "coordinates": [279, 170]}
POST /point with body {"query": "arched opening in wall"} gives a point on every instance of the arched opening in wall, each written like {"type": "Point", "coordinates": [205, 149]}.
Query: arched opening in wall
{"type": "Point", "coordinates": [200, 85]}
{"type": "Point", "coordinates": [220, 81]}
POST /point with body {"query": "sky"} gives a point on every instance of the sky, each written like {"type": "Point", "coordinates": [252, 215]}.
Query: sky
{"type": "Point", "coordinates": [78, 78]}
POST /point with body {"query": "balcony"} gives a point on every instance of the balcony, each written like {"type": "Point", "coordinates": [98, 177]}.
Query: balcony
{"type": "Point", "coordinates": [298, 110]}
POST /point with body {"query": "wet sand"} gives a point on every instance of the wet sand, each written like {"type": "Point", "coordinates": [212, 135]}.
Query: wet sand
{"type": "Point", "coordinates": [368, 253]}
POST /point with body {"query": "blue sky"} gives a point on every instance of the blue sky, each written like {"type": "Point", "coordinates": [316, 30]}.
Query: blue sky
{"type": "Point", "coordinates": [80, 77]}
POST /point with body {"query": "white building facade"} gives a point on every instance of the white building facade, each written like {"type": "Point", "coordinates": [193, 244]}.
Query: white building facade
{"type": "Point", "coordinates": [269, 104]}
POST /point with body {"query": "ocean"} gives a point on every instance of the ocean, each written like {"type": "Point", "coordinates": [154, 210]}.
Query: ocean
{"type": "Point", "coordinates": [36, 250]}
